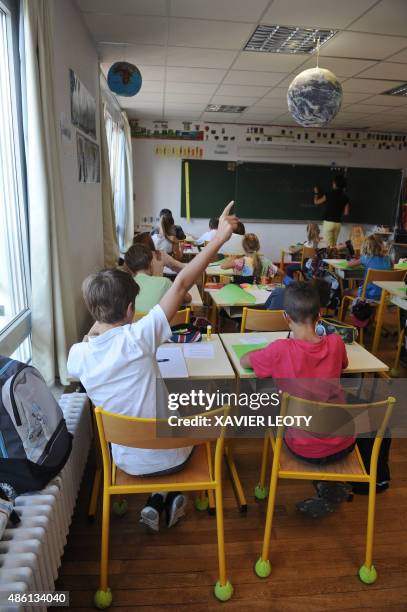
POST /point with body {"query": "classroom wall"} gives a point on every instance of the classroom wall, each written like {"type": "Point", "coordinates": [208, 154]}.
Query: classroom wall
{"type": "Point", "coordinates": [73, 48]}
{"type": "Point", "coordinates": [157, 184]}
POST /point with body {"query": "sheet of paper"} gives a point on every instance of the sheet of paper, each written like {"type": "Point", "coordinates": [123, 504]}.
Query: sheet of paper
{"type": "Point", "coordinates": [251, 340]}
{"type": "Point", "coordinates": [260, 295]}
{"type": "Point", "coordinates": [242, 350]}
{"type": "Point", "coordinates": [199, 350]}
{"type": "Point", "coordinates": [175, 367]}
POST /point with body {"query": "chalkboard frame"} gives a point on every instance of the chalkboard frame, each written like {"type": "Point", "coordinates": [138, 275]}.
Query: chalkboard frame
{"type": "Point", "coordinates": [212, 208]}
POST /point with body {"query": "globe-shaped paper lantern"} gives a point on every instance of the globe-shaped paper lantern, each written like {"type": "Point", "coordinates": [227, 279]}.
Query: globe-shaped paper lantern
{"type": "Point", "coordinates": [124, 79]}
{"type": "Point", "coordinates": [314, 97]}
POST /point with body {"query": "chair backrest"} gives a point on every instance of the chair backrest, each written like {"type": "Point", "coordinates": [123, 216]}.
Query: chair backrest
{"type": "Point", "coordinates": [357, 236]}
{"type": "Point", "coordinates": [181, 316]}
{"type": "Point", "coordinates": [338, 419]}
{"type": "Point", "coordinates": [263, 320]}
{"type": "Point", "coordinates": [152, 433]}
{"type": "Point", "coordinates": [307, 253]}
{"type": "Point", "coordinates": [382, 275]}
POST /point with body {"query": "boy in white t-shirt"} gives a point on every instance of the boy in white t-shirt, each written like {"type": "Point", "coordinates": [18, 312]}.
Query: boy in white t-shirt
{"type": "Point", "coordinates": [116, 362]}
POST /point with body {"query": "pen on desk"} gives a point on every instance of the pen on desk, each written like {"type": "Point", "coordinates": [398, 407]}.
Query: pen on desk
{"type": "Point", "coordinates": [162, 360]}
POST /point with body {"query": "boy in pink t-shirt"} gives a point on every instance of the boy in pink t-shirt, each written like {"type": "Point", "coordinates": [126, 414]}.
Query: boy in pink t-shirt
{"type": "Point", "coordinates": [294, 362]}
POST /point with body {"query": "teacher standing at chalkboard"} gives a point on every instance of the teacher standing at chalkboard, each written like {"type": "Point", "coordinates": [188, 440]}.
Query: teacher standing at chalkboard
{"type": "Point", "coordinates": [336, 206]}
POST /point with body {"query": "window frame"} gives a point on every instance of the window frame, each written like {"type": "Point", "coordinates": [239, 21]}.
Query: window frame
{"type": "Point", "coordinates": [19, 328]}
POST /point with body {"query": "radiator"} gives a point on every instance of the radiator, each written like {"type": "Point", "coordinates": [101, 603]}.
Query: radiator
{"type": "Point", "coordinates": [30, 552]}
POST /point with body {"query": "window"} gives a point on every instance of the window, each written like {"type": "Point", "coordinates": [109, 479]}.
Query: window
{"type": "Point", "coordinates": [14, 271]}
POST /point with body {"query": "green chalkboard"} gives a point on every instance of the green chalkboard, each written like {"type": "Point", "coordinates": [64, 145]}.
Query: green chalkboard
{"type": "Point", "coordinates": [267, 191]}
{"type": "Point", "coordinates": [211, 187]}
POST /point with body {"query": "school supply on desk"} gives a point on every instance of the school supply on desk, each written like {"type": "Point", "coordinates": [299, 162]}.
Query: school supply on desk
{"type": "Point", "coordinates": [203, 350]}
{"type": "Point", "coordinates": [214, 285]}
{"type": "Point", "coordinates": [171, 362]}
{"type": "Point", "coordinates": [233, 294]}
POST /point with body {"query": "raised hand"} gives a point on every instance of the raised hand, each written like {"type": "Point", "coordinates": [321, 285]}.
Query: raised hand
{"type": "Point", "coordinates": [227, 223]}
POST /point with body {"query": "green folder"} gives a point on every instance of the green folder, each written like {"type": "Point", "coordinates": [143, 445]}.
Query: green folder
{"type": "Point", "coordinates": [344, 265]}
{"type": "Point", "coordinates": [401, 266]}
{"type": "Point", "coordinates": [234, 295]}
{"type": "Point", "coordinates": [242, 349]}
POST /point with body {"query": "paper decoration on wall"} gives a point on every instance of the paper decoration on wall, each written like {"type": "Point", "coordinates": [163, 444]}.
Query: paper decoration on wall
{"type": "Point", "coordinates": [314, 97]}
{"type": "Point", "coordinates": [83, 106]}
{"type": "Point", "coordinates": [178, 151]}
{"type": "Point", "coordinates": [124, 79]}
{"type": "Point", "coordinates": [88, 160]}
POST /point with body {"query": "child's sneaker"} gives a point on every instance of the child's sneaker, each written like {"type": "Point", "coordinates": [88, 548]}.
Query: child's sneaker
{"type": "Point", "coordinates": [150, 514]}
{"type": "Point", "coordinates": [334, 492]}
{"type": "Point", "coordinates": [315, 507]}
{"type": "Point", "coordinates": [175, 505]}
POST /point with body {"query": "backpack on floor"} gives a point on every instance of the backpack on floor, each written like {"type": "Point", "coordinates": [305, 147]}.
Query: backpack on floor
{"type": "Point", "coordinates": [34, 440]}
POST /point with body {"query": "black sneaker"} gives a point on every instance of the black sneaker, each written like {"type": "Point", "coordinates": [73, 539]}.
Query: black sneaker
{"type": "Point", "coordinates": [150, 514]}
{"type": "Point", "coordinates": [315, 507]}
{"type": "Point", "coordinates": [175, 505]}
{"type": "Point", "coordinates": [334, 492]}
{"type": "Point", "coordinates": [362, 488]}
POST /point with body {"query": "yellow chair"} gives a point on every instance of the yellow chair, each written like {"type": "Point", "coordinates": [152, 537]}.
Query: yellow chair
{"type": "Point", "coordinates": [306, 253]}
{"type": "Point", "coordinates": [350, 469]}
{"type": "Point", "coordinates": [198, 475]}
{"type": "Point", "coordinates": [263, 320]}
{"type": "Point", "coordinates": [181, 316]}
{"type": "Point", "coordinates": [371, 276]}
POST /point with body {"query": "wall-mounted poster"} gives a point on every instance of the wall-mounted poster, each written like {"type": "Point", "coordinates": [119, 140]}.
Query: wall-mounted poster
{"type": "Point", "coordinates": [88, 160]}
{"type": "Point", "coordinates": [83, 106]}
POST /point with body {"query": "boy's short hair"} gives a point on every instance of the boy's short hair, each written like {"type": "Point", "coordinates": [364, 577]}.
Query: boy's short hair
{"type": "Point", "coordinates": [213, 223]}
{"type": "Point", "coordinates": [138, 257]}
{"type": "Point", "coordinates": [108, 293]}
{"type": "Point", "coordinates": [301, 302]}
{"type": "Point", "coordinates": [339, 180]}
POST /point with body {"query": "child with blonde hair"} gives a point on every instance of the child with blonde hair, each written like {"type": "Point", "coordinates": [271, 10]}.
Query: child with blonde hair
{"type": "Point", "coordinates": [372, 255]}
{"type": "Point", "coordinates": [252, 265]}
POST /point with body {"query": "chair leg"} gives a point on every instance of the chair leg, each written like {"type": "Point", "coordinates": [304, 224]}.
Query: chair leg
{"type": "Point", "coordinates": [95, 494]}
{"type": "Point", "coordinates": [394, 370]}
{"type": "Point", "coordinates": [261, 491]}
{"type": "Point", "coordinates": [234, 477]}
{"type": "Point", "coordinates": [344, 308]}
{"type": "Point", "coordinates": [263, 567]}
{"type": "Point", "coordinates": [223, 588]}
{"type": "Point", "coordinates": [361, 335]}
{"type": "Point", "coordinates": [379, 323]}
{"type": "Point", "coordinates": [103, 597]}
{"type": "Point", "coordinates": [367, 572]}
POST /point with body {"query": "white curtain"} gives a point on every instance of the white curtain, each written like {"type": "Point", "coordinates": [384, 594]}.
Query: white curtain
{"type": "Point", "coordinates": [111, 251]}
{"type": "Point", "coordinates": [54, 326]}
{"type": "Point", "coordinates": [121, 171]}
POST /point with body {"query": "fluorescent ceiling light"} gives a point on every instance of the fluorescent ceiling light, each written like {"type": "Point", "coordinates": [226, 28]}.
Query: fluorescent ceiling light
{"type": "Point", "coordinates": [224, 108]}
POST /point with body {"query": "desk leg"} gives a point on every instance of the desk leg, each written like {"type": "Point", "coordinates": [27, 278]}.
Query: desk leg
{"type": "Point", "coordinates": [234, 476]}
{"type": "Point", "coordinates": [379, 322]}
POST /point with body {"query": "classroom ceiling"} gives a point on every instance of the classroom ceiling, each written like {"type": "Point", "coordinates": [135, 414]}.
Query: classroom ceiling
{"type": "Point", "coordinates": [190, 54]}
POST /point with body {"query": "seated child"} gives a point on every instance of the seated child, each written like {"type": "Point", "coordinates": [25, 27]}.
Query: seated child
{"type": "Point", "coordinates": [276, 299]}
{"type": "Point", "coordinates": [305, 355]}
{"type": "Point", "coordinates": [251, 266]}
{"type": "Point", "coordinates": [314, 241]}
{"type": "Point", "coordinates": [165, 240]}
{"type": "Point", "coordinates": [138, 262]}
{"type": "Point", "coordinates": [372, 255]}
{"type": "Point", "coordinates": [207, 236]}
{"type": "Point", "coordinates": [161, 259]}
{"type": "Point", "coordinates": [116, 363]}
{"type": "Point", "coordinates": [234, 244]}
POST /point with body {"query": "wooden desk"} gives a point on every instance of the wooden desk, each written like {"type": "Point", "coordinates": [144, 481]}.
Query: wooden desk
{"type": "Point", "coordinates": [217, 367]}
{"type": "Point", "coordinates": [397, 291]}
{"type": "Point", "coordinates": [261, 296]}
{"type": "Point", "coordinates": [360, 360]}
{"type": "Point", "coordinates": [196, 298]}
{"type": "Point", "coordinates": [346, 273]}
{"type": "Point", "coordinates": [217, 271]}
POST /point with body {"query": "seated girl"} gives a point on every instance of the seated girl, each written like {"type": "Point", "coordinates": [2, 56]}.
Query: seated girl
{"type": "Point", "coordinates": [372, 255]}
{"type": "Point", "coordinates": [314, 241]}
{"type": "Point", "coordinates": [161, 259]}
{"type": "Point", "coordinates": [165, 240]}
{"type": "Point", "coordinates": [251, 266]}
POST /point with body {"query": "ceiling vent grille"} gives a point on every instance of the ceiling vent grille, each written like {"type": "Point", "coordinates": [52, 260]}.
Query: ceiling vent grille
{"type": "Point", "coordinates": [287, 39]}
